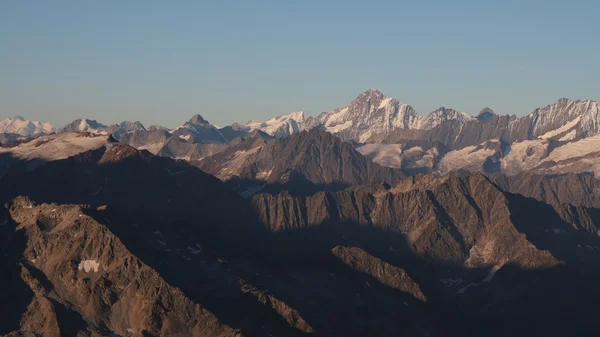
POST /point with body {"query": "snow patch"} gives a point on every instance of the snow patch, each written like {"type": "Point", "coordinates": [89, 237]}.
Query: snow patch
{"type": "Point", "coordinates": [470, 285]}
{"type": "Point", "coordinates": [492, 273]}
{"type": "Point", "coordinates": [280, 126]}
{"type": "Point", "coordinates": [385, 102]}
{"type": "Point", "coordinates": [340, 127]}
{"type": "Point", "coordinates": [523, 156]}
{"type": "Point", "coordinates": [569, 136]}
{"type": "Point", "coordinates": [88, 265]}
{"type": "Point", "coordinates": [575, 149]}
{"type": "Point", "coordinates": [383, 154]}
{"type": "Point", "coordinates": [560, 130]}
{"type": "Point", "coordinates": [467, 158]}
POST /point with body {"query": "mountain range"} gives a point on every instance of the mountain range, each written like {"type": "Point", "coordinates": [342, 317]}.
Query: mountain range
{"type": "Point", "coordinates": [367, 220]}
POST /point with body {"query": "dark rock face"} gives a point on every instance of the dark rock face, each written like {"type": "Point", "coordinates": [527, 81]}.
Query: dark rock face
{"type": "Point", "coordinates": [581, 189]}
{"type": "Point", "coordinates": [384, 272]}
{"type": "Point", "coordinates": [81, 279]}
{"type": "Point", "coordinates": [178, 148]}
{"type": "Point", "coordinates": [459, 221]}
{"type": "Point", "coordinates": [118, 241]}
{"type": "Point", "coordinates": [312, 157]}
{"type": "Point", "coordinates": [469, 214]}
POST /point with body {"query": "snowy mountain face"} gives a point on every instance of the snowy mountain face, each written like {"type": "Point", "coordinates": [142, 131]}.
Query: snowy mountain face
{"type": "Point", "coordinates": [120, 130]}
{"type": "Point", "coordinates": [25, 128]}
{"type": "Point", "coordinates": [93, 126]}
{"type": "Point", "coordinates": [441, 141]}
{"type": "Point", "coordinates": [50, 148]}
{"type": "Point", "coordinates": [440, 116]}
{"type": "Point", "coordinates": [373, 113]}
{"type": "Point", "coordinates": [566, 120]}
{"type": "Point", "coordinates": [370, 113]}
{"type": "Point", "coordinates": [199, 130]}
{"type": "Point", "coordinates": [85, 125]}
{"type": "Point", "coordinates": [281, 126]}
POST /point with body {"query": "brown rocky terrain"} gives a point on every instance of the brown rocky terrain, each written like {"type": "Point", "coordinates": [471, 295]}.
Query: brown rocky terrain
{"type": "Point", "coordinates": [302, 163]}
{"type": "Point", "coordinates": [118, 241]}
{"type": "Point", "coordinates": [82, 280]}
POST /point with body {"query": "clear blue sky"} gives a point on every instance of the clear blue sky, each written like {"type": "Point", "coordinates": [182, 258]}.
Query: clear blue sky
{"type": "Point", "coordinates": [160, 62]}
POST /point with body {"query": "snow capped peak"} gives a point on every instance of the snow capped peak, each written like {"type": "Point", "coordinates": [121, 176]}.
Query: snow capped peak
{"type": "Point", "coordinates": [298, 116]}
{"type": "Point", "coordinates": [372, 93]}
{"type": "Point", "coordinates": [26, 128]}
{"type": "Point", "coordinates": [442, 115]}
{"type": "Point", "coordinates": [85, 125]}
{"type": "Point", "coordinates": [371, 113]}
{"type": "Point", "coordinates": [583, 115]}
{"type": "Point", "coordinates": [280, 126]}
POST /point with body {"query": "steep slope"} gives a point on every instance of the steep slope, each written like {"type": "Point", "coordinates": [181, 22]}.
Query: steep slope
{"type": "Point", "coordinates": [199, 130]}
{"type": "Point", "coordinates": [372, 116]}
{"type": "Point", "coordinates": [304, 160]}
{"type": "Point", "coordinates": [565, 120]}
{"type": "Point", "coordinates": [169, 216]}
{"type": "Point", "coordinates": [370, 113]}
{"type": "Point", "coordinates": [85, 125]}
{"type": "Point", "coordinates": [19, 126]}
{"type": "Point", "coordinates": [440, 116]}
{"type": "Point", "coordinates": [581, 189]}
{"type": "Point", "coordinates": [501, 256]}
{"type": "Point", "coordinates": [152, 140]}
{"type": "Point", "coordinates": [412, 156]}
{"type": "Point", "coordinates": [466, 214]}
{"type": "Point", "coordinates": [281, 126]}
{"type": "Point", "coordinates": [92, 126]}
{"type": "Point", "coordinates": [133, 181]}
{"type": "Point", "coordinates": [177, 148]}
{"type": "Point", "coordinates": [120, 130]}
{"type": "Point", "coordinates": [234, 131]}
{"type": "Point", "coordinates": [179, 222]}
{"type": "Point", "coordinates": [36, 152]}
{"type": "Point", "coordinates": [82, 279]}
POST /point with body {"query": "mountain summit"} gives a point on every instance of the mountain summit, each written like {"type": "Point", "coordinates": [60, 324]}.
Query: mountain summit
{"type": "Point", "coordinates": [22, 127]}
{"type": "Point", "coordinates": [373, 113]}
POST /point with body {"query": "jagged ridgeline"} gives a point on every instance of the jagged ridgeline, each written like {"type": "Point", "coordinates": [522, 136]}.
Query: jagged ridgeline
{"type": "Point", "coordinates": [367, 220]}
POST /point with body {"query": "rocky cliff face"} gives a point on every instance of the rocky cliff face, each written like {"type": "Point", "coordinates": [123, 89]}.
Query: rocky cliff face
{"type": "Point", "coordinates": [565, 120]}
{"type": "Point", "coordinates": [113, 240]}
{"type": "Point", "coordinates": [80, 279]}
{"type": "Point", "coordinates": [199, 130]}
{"type": "Point", "coordinates": [309, 158]}
{"type": "Point", "coordinates": [464, 220]}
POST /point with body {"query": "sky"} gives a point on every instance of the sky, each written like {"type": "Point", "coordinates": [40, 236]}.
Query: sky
{"type": "Point", "coordinates": [160, 62]}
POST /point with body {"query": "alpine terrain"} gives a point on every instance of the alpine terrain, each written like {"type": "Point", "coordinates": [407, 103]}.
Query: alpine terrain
{"type": "Point", "coordinates": [367, 220]}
